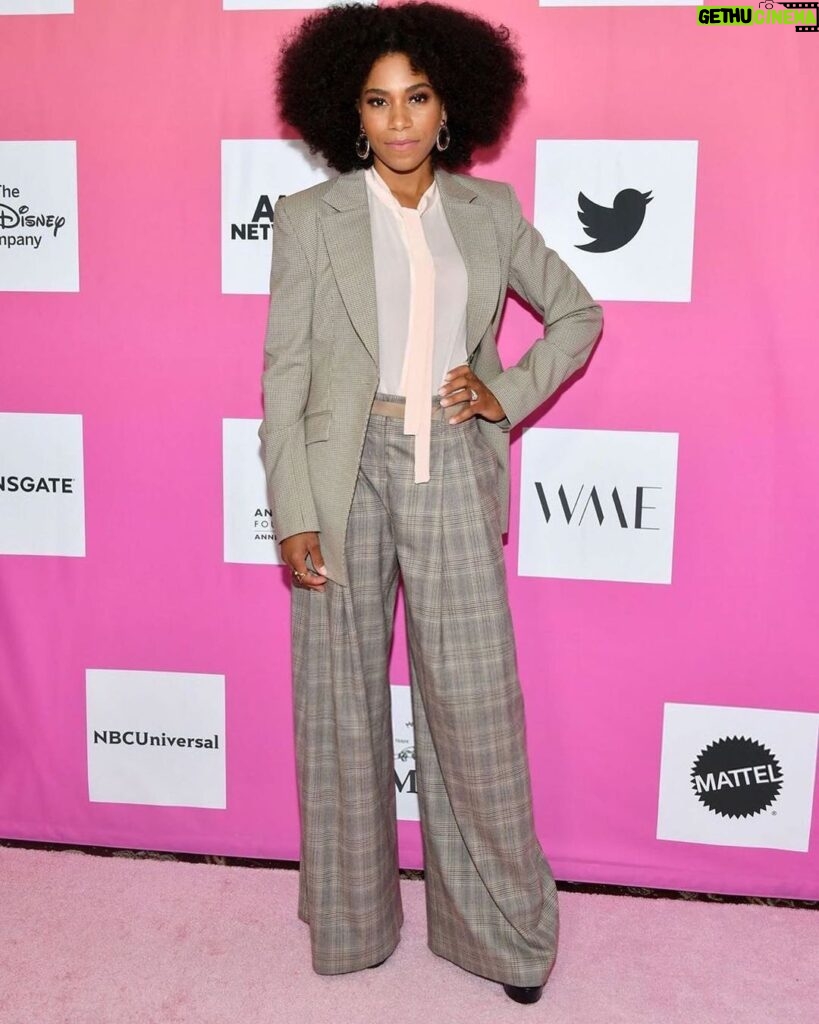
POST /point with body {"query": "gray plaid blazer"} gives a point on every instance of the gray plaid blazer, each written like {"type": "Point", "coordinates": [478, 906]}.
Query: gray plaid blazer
{"type": "Point", "coordinates": [321, 344]}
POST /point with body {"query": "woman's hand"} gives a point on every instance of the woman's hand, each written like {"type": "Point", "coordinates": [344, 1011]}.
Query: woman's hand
{"type": "Point", "coordinates": [485, 404]}
{"type": "Point", "coordinates": [295, 549]}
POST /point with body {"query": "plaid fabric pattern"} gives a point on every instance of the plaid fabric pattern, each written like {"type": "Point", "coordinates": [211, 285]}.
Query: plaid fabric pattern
{"type": "Point", "coordinates": [491, 897]}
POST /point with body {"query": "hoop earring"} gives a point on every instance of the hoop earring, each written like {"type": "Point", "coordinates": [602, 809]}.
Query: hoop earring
{"type": "Point", "coordinates": [366, 153]}
{"type": "Point", "coordinates": [438, 145]}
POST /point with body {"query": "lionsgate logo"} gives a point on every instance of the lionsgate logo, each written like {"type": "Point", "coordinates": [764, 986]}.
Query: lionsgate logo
{"type": "Point", "coordinates": [736, 777]}
{"type": "Point", "coordinates": [143, 738]}
{"type": "Point", "coordinates": [37, 484]}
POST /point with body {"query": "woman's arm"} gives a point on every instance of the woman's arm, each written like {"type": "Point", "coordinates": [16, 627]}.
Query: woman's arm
{"type": "Point", "coordinates": [571, 318]}
{"type": "Point", "coordinates": [286, 381]}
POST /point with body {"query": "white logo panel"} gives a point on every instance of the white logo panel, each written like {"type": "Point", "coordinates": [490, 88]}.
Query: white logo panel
{"type": "Point", "coordinates": [156, 738]}
{"type": "Point", "coordinates": [619, 3]}
{"type": "Point", "coordinates": [629, 205]}
{"type": "Point", "coordinates": [42, 488]}
{"type": "Point", "coordinates": [39, 250]}
{"type": "Point", "coordinates": [248, 526]}
{"type": "Point", "coordinates": [36, 6]}
{"type": "Point", "coordinates": [403, 734]}
{"type": "Point", "coordinates": [734, 776]}
{"type": "Point", "coordinates": [278, 5]}
{"type": "Point", "coordinates": [255, 172]}
{"type": "Point", "coordinates": [597, 504]}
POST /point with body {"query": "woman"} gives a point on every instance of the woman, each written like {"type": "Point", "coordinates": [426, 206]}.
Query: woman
{"type": "Point", "coordinates": [385, 438]}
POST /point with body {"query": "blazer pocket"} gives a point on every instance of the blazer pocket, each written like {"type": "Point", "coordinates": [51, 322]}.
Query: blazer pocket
{"type": "Point", "coordinates": [316, 426]}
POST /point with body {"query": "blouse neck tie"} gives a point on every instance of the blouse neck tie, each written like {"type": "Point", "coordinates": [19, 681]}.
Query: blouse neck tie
{"type": "Point", "coordinates": [416, 372]}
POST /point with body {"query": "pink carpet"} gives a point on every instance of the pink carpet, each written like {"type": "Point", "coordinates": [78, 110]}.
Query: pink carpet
{"type": "Point", "coordinates": [98, 940]}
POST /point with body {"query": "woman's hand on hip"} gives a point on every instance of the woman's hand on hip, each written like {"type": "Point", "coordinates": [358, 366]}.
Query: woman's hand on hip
{"type": "Point", "coordinates": [458, 386]}
{"type": "Point", "coordinates": [295, 550]}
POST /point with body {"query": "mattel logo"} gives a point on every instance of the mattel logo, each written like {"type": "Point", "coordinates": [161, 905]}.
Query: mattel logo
{"type": "Point", "coordinates": [737, 776]}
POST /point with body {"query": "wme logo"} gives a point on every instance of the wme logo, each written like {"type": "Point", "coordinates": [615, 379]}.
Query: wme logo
{"type": "Point", "coordinates": [630, 513]}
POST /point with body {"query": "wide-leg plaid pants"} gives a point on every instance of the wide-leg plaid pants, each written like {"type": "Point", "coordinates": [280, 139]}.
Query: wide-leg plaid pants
{"type": "Point", "coordinates": [491, 899]}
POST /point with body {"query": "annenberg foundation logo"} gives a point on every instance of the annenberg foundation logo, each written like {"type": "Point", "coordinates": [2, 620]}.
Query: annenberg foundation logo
{"type": "Point", "coordinates": [247, 517]}
{"type": "Point", "coordinates": [736, 777]}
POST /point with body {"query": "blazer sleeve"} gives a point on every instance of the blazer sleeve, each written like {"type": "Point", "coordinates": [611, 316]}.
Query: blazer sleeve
{"type": "Point", "coordinates": [286, 381]}
{"type": "Point", "coordinates": [571, 318]}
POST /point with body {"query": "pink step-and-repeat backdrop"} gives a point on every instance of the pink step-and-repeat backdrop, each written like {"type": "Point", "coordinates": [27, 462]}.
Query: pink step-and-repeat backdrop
{"type": "Point", "coordinates": [662, 542]}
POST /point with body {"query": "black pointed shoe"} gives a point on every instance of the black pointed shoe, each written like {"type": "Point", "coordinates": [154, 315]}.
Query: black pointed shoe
{"type": "Point", "coordinates": [524, 993]}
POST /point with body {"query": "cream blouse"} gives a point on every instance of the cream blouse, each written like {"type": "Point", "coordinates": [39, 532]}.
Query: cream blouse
{"type": "Point", "coordinates": [421, 295]}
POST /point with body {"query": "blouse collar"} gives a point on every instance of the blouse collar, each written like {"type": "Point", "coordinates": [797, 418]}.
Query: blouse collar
{"type": "Point", "coordinates": [381, 189]}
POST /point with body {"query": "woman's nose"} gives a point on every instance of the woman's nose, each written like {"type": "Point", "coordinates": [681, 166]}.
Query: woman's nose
{"type": "Point", "coordinates": [400, 117]}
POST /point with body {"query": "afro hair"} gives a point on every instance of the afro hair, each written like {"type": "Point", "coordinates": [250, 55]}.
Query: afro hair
{"type": "Point", "coordinates": [323, 64]}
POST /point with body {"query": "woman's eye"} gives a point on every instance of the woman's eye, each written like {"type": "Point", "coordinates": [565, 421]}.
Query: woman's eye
{"type": "Point", "coordinates": [376, 101]}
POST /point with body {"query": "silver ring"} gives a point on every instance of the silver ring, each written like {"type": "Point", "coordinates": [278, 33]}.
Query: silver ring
{"type": "Point", "coordinates": [474, 394]}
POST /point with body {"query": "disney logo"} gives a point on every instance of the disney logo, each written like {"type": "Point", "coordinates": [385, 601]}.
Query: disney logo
{"type": "Point", "coordinates": [11, 218]}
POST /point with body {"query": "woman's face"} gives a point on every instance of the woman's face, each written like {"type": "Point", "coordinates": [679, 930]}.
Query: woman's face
{"type": "Point", "coordinates": [401, 113]}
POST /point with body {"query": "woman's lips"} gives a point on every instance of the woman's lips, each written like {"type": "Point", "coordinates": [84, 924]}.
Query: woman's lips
{"type": "Point", "coordinates": [404, 144]}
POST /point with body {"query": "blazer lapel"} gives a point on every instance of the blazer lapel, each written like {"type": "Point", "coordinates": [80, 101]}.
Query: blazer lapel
{"type": "Point", "coordinates": [471, 224]}
{"type": "Point", "coordinates": [349, 247]}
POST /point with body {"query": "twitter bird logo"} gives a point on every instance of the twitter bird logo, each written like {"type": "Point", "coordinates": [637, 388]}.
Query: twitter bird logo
{"type": "Point", "coordinates": [612, 227]}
